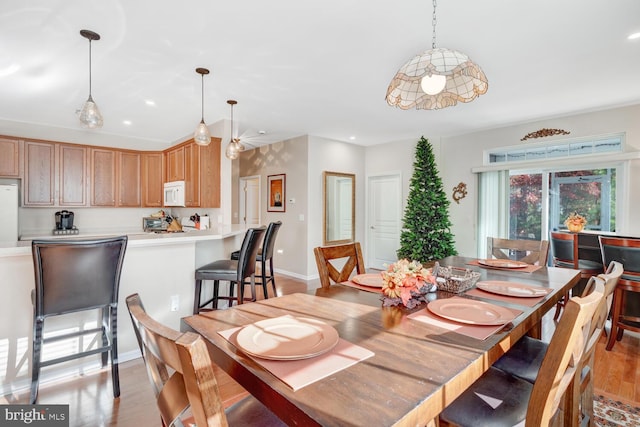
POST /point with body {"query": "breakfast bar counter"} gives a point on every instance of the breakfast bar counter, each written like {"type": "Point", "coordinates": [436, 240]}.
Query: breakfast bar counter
{"type": "Point", "coordinates": [160, 267]}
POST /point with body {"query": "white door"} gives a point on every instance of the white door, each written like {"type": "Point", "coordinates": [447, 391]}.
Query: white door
{"type": "Point", "coordinates": [249, 200]}
{"type": "Point", "coordinates": [385, 212]}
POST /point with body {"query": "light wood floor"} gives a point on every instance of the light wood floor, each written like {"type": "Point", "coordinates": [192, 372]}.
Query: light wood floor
{"type": "Point", "coordinates": [91, 401]}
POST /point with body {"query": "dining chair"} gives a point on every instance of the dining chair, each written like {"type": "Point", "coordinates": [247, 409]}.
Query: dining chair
{"type": "Point", "coordinates": [502, 399]}
{"type": "Point", "coordinates": [73, 276]}
{"type": "Point", "coordinates": [240, 272]}
{"type": "Point", "coordinates": [524, 359]}
{"type": "Point", "coordinates": [182, 376]}
{"type": "Point", "coordinates": [326, 256]}
{"type": "Point", "coordinates": [626, 297]}
{"type": "Point", "coordinates": [564, 252]}
{"type": "Point", "coordinates": [265, 253]}
{"type": "Point", "coordinates": [535, 252]}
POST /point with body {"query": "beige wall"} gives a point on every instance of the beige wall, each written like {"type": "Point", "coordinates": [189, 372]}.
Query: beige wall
{"type": "Point", "coordinates": [288, 157]}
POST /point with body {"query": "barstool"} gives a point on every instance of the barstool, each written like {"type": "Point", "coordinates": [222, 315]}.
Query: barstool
{"type": "Point", "coordinates": [73, 276]}
{"type": "Point", "coordinates": [265, 253]}
{"type": "Point", "coordinates": [232, 271]}
{"type": "Point", "coordinates": [564, 248]}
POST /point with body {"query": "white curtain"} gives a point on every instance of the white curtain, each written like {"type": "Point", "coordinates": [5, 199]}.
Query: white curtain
{"type": "Point", "coordinates": [493, 208]}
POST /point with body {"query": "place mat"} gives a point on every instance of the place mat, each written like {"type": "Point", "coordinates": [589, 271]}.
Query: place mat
{"type": "Point", "coordinates": [480, 332]}
{"type": "Point", "coordinates": [362, 287]}
{"type": "Point", "coordinates": [528, 269]}
{"type": "Point", "coordinates": [528, 302]}
{"type": "Point", "coordinates": [299, 373]}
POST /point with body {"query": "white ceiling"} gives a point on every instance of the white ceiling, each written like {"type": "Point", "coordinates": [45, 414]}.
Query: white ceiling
{"type": "Point", "coordinates": [303, 67]}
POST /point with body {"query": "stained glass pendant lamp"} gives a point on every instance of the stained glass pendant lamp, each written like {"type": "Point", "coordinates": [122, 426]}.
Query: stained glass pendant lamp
{"type": "Point", "coordinates": [202, 136]}
{"type": "Point", "coordinates": [90, 115]}
{"type": "Point", "coordinates": [437, 78]}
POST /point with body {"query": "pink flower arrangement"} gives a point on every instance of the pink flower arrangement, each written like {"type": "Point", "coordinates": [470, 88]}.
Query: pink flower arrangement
{"type": "Point", "coordinates": [407, 282]}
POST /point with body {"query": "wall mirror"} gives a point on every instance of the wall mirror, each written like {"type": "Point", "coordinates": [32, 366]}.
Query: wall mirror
{"type": "Point", "coordinates": [339, 191]}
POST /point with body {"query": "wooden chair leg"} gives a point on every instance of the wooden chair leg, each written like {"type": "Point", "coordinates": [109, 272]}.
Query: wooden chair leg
{"type": "Point", "coordinates": [617, 308]}
{"type": "Point", "coordinates": [196, 297]}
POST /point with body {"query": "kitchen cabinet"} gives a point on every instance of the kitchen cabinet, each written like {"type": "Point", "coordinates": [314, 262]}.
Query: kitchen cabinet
{"type": "Point", "coordinates": [39, 170]}
{"type": "Point", "coordinates": [210, 174]}
{"type": "Point", "coordinates": [103, 177]}
{"type": "Point", "coordinates": [73, 173]}
{"type": "Point", "coordinates": [152, 182]}
{"type": "Point", "coordinates": [9, 157]}
{"type": "Point", "coordinates": [175, 164]}
{"type": "Point", "coordinates": [128, 179]}
{"type": "Point", "coordinates": [192, 175]}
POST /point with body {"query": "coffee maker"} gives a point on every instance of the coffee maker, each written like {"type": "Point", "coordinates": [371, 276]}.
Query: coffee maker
{"type": "Point", "coordinates": [64, 220]}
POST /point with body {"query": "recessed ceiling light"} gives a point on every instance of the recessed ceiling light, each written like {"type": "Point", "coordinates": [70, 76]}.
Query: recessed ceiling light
{"type": "Point", "coordinates": [634, 36]}
{"type": "Point", "coordinates": [150, 102]}
{"type": "Point", "coordinates": [127, 122]}
{"type": "Point", "coordinates": [262, 132]}
{"type": "Point", "coordinates": [352, 138]}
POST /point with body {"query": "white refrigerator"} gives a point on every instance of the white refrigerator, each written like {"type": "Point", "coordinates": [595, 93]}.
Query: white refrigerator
{"type": "Point", "coordinates": [9, 213]}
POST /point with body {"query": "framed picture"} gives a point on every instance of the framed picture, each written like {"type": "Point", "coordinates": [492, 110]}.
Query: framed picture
{"type": "Point", "coordinates": [276, 193]}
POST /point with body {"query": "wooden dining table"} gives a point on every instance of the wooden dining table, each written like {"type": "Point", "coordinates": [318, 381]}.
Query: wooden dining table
{"type": "Point", "coordinates": [416, 371]}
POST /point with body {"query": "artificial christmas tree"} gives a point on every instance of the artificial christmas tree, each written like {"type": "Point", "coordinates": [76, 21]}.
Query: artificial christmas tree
{"type": "Point", "coordinates": [426, 234]}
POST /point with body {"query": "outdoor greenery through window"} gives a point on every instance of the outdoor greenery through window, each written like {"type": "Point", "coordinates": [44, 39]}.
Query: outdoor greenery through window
{"type": "Point", "coordinates": [589, 192]}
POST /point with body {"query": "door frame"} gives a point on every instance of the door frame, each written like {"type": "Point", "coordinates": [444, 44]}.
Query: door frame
{"type": "Point", "coordinates": [241, 199]}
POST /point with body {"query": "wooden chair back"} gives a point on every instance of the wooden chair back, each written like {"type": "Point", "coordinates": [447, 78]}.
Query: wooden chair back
{"type": "Point", "coordinates": [179, 368]}
{"type": "Point", "coordinates": [533, 252]}
{"type": "Point", "coordinates": [328, 272]}
{"type": "Point", "coordinates": [562, 361]}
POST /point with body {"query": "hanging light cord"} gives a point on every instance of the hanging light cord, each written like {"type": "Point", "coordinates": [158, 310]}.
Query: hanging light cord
{"type": "Point", "coordinates": [433, 23]}
{"type": "Point", "coordinates": [89, 68]}
{"type": "Point", "coordinates": [202, 96]}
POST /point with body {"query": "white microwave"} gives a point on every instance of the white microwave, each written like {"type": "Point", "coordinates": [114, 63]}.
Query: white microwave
{"type": "Point", "coordinates": [174, 193]}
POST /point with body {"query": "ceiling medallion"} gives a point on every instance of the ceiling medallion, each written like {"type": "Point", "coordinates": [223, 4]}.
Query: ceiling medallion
{"type": "Point", "coordinates": [545, 132]}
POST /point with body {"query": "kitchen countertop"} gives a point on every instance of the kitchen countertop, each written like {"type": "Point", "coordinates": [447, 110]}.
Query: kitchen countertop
{"type": "Point", "coordinates": [137, 238]}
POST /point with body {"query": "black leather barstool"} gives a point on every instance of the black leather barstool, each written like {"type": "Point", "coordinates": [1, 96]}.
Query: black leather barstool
{"type": "Point", "coordinates": [73, 276]}
{"type": "Point", "coordinates": [265, 253]}
{"type": "Point", "coordinates": [240, 272]}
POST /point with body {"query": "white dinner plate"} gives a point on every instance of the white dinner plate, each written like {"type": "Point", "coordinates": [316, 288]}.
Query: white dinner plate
{"type": "Point", "coordinates": [470, 311]}
{"type": "Point", "coordinates": [512, 289]}
{"type": "Point", "coordinates": [373, 280]}
{"type": "Point", "coordinates": [502, 263]}
{"type": "Point", "coordinates": [287, 338]}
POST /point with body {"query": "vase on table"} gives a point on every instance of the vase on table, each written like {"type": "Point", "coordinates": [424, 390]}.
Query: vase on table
{"type": "Point", "coordinates": [575, 228]}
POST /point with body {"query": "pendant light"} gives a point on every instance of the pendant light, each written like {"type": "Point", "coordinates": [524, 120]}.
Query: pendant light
{"type": "Point", "coordinates": [202, 136]}
{"type": "Point", "coordinates": [437, 78]}
{"type": "Point", "coordinates": [89, 115]}
{"type": "Point", "coordinates": [233, 148]}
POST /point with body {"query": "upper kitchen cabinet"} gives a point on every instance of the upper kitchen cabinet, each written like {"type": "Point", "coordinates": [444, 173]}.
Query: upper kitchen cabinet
{"type": "Point", "coordinates": [115, 178]}
{"type": "Point", "coordinates": [103, 177]}
{"type": "Point", "coordinates": [192, 175]}
{"type": "Point", "coordinates": [72, 187]}
{"type": "Point", "coordinates": [54, 174]}
{"type": "Point", "coordinates": [9, 157]}
{"type": "Point", "coordinates": [39, 171]}
{"type": "Point", "coordinates": [128, 179]}
{"type": "Point", "coordinates": [152, 179]}
{"type": "Point", "coordinates": [210, 174]}
{"type": "Point", "coordinates": [175, 164]}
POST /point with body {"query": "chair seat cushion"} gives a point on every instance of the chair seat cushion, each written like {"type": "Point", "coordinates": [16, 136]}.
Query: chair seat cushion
{"type": "Point", "coordinates": [236, 255]}
{"type": "Point", "coordinates": [523, 359]}
{"type": "Point", "coordinates": [250, 412]}
{"type": "Point", "coordinates": [512, 394]}
{"type": "Point", "coordinates": [224, 269]}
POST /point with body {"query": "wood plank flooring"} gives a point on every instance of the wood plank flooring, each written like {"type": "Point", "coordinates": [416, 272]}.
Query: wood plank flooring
{"type": "Point", "coordinates": [91, 401]}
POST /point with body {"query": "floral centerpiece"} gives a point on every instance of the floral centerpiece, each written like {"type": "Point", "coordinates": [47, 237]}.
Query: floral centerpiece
{"type": "Point", "coordinates": [406, 282]}
{"type": "Point", "coordinates": [575, 222]}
